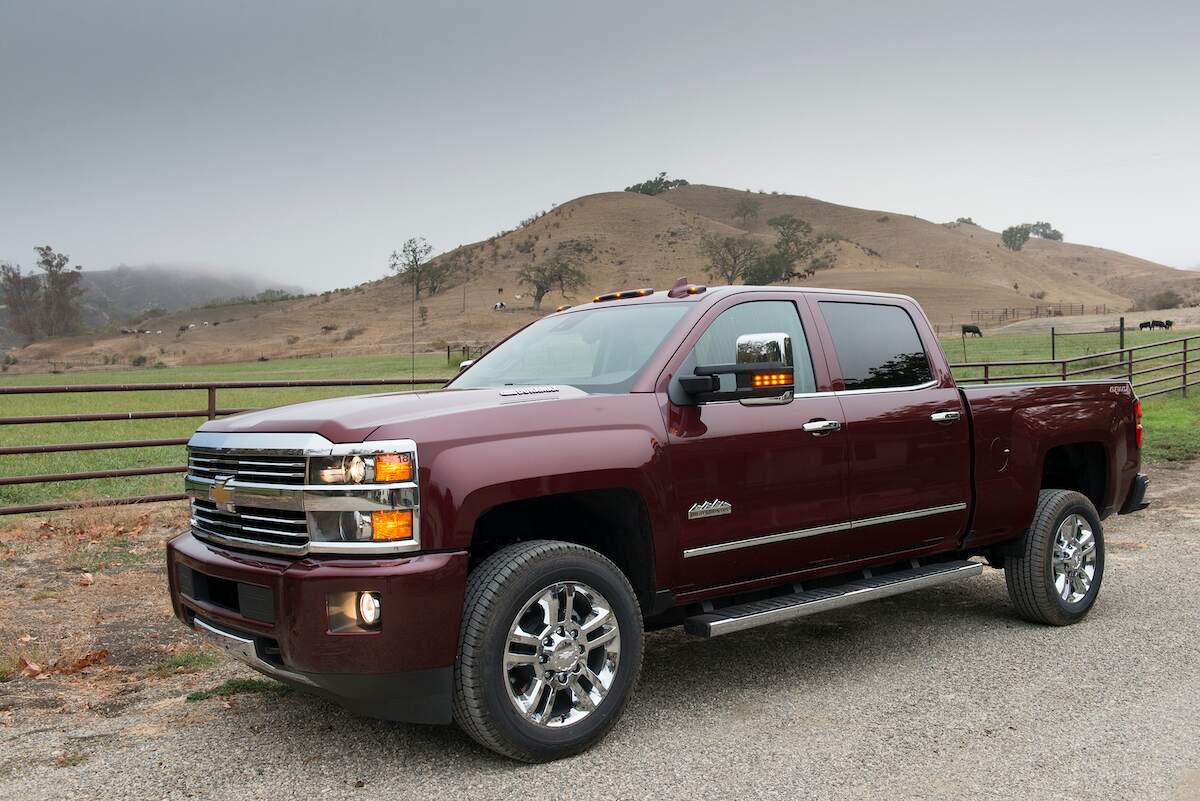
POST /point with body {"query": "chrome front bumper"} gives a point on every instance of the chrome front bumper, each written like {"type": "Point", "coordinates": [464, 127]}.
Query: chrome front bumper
{"type": "Point", "coordinates": [243, 649]}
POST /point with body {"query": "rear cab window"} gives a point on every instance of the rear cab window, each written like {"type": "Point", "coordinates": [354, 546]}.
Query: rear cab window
{"type": "Point", "coordinates": [877, 346]}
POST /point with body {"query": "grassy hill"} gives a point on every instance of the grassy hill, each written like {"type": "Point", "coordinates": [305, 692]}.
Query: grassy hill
{"type": "Point", "coordinates": [630, 240]}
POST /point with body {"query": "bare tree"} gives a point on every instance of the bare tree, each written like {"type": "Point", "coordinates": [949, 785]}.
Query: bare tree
{"type": "Point", "coordinates": [729, 257]}
{"type": "Point", "coordinates": [411, 263]}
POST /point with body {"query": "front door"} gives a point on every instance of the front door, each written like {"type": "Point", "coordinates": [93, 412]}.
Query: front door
{"type": "Point", "coordinates": [757, 495]}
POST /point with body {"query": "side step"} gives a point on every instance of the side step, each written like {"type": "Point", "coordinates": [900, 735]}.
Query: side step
{"type": "Point", "coordinates": [810, 602]}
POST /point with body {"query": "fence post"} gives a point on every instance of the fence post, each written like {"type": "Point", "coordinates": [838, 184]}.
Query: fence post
{"type": "Point", "coordinates": [212, 403]}
{"type": "Point", "coordinates": [1052, 351]}
{"type": "Point", "coordinates": [1185, 360]}
{"type": "Point", "coordinates": [1064, 369]}
{"type": "Point", "coordinates": [985, 373]}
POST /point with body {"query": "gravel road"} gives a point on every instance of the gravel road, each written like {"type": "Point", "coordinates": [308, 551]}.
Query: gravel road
{"type": "Point", "coordinates": [941, 694]}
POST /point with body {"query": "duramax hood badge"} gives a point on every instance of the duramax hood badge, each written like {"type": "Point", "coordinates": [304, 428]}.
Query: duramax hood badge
{"type": "Point", "coordinates": [713, 508]}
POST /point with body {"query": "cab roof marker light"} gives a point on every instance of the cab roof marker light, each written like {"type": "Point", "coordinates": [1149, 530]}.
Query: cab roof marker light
{"type": "Point", "coordinates": [623, 294]}
{"type": "Point", "coordinates": [563, 307]}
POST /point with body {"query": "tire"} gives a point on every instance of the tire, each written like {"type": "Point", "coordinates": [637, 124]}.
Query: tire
{"type": "Point", "coordinates": [1046, 582]}
{"type": "Point", "coordinates": [510, 600]}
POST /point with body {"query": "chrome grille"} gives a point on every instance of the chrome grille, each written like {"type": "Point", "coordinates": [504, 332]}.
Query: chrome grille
{"type": "Point", "coordinates": [280, 530]}
{"type": "Point", "coordinates": [246, 467]}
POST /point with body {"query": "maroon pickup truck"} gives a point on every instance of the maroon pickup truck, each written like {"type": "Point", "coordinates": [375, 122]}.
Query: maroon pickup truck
{"type": "Point", "coordinates": [716, 458]}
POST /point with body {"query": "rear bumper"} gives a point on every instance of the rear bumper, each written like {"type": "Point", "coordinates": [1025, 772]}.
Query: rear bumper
{"type": "Point", "coordinates": [271, 613]}
{"type": "Point", "coordinates": [1136, 500]}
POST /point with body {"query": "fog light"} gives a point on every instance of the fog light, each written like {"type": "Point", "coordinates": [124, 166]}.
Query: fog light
{"type": "Point", "coordinates": [369, 609]}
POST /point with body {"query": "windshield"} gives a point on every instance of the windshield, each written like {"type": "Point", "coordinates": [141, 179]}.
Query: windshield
{"type": "Point", "coordinates": [596, 350]}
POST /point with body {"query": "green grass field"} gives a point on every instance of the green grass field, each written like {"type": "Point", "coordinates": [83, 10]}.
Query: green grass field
{"type": "Point", "coordinates": [1172, 423]}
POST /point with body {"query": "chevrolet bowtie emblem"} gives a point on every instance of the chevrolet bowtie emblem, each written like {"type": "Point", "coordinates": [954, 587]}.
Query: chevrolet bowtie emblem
{"type": "Point", "coordinates": [221, 495]}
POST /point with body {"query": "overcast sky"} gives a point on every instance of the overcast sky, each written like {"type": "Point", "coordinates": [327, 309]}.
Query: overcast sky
{"type": "Point", "coordinates": [306, 141]}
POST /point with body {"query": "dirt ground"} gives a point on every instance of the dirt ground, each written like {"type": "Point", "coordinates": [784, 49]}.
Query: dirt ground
{"type": "Point", "coordinates": [937, 694]}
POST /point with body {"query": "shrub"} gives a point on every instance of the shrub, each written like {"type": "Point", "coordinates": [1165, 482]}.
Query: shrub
{"type": "Point", "coordinates": [293, 339]}
{"type": "Point", "coordinates": [1167, 299]}
{"type": "Point", "coordinates": [1039, 295]}
{"type": "Point", "coordinates": [351, 333]}
{"type": "Point", "coordinates": [656, 185]}
{"type": "Point", "coordinates": [1014, 237]}
{"type": "Point", "coordinates": [139, 360]}
{"type": "Point", "coordinates": [965, 221]}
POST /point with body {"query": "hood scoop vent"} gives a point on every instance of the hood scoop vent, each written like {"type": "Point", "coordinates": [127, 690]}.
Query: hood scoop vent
{"type": "Point", "coordinates": [512, 392]}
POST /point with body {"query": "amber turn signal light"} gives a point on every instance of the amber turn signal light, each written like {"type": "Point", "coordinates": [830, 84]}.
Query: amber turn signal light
{"type": "Point", "coordinates": [771, 379]}
{"type": "Point", "coordinates": [391, 467]}
{"type": "Point", "coordinates": [391, 526]}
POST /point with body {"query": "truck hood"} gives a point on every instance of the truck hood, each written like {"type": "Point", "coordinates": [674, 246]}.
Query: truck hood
{"type": "Point", "coordinates": [353, 419]}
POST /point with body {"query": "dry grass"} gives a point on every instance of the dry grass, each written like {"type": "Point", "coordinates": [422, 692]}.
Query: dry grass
{"type": "Point", "coordinates": [637, 240]}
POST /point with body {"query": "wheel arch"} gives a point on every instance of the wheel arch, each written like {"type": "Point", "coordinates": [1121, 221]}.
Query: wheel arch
{"type": "Point", "coordinates": [614, 521]}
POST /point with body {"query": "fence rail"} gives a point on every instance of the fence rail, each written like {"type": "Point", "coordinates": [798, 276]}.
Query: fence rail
{"type": "Point", "coordinates": [1131, 363]}
{"type": "Point", "coordinates": [1151, 369]}
{"type": "Point", "coordinates": [211, 411]}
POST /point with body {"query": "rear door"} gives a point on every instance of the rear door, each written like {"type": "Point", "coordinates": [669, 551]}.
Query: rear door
{"type": "Point", "coordinates": [906, 428]}
{"type": "Point", "coordinates": [756, 494]}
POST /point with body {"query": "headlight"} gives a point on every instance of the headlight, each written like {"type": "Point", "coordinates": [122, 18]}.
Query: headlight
{"type": "Point", "coordinates": [382, 525]}
{"type": "Point", "coordinates": [378, 468]}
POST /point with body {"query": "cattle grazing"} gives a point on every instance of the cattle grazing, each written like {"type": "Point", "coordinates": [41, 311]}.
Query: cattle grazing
{"type": "Point", "coordinates": [1145, 325]}
{"type": "Point", "coordinates": [1169, 324]}
{"type": "Point", "coordinates": [500, 306]}
{"type": "Point", "coordinates": [971, 329]}
{"type": "Point", "coordinates": [1158, 324]}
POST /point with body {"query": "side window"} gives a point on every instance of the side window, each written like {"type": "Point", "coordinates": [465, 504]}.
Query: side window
{"type": "Point", "coordinates": [718, 345]}
{"type": "Point", "coordinates": [877, 345]}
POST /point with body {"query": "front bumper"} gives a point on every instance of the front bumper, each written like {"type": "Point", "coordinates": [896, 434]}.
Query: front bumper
{"type": "Point", "coordinates": [271, 613]}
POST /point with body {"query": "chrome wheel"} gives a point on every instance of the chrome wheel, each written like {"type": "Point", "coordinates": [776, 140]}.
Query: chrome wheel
{"type": "Point", "coordinates": [1074, 558]}
{"type": "Point", "coordinates": [562, 654]}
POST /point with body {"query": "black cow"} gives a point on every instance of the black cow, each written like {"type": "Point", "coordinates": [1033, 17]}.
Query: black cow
{"type": "Point", "coordinates": [971, 329]}
{"type": "Point", "coordinates": [1158, 324]}
{"type": "Point", "coordinates": [1145, 326]}
{"type": "Point", "coordinates": [1169, 324]}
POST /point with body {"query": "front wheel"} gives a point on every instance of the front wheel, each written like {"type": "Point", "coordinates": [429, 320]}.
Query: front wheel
{"type": "Point", "coordinates": [1055, 576]}
{"type": "Point", "coordinates": [549, 651]}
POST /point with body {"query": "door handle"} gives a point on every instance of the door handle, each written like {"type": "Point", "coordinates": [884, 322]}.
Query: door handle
{"type": "Point", "coordinates": [821, 427]}
{"type": "Point", "coordinates": [945, 417]}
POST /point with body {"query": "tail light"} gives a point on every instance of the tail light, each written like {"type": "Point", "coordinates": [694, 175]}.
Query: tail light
{"type": "Point", "coordinates": [1137, 414]}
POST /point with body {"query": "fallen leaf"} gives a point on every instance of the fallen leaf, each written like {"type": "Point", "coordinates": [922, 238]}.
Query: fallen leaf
{"type": "Point", "coordinates": [27, 638]}
{"type": "Point", "coordinates": [86, 580]}
{"type": "Point", "coordinates": [85, 661]}
{"type": "Point", "coordinates": [29, 667]}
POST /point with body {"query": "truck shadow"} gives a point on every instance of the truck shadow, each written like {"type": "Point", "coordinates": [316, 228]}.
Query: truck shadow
{"type": "Point", "coordinates": [843, 651]}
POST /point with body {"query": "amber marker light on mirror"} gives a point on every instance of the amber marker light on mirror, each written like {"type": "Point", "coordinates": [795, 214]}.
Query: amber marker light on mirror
{"type": "Point", "coordinates": [771, 379]}
{"type": "Point", "coordinates": [390, 467]}
{"type": "Point", "coordinates": [392, 526]}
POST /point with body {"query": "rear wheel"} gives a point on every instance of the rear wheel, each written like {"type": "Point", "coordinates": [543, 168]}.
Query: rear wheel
{"type": "Point", "coordinates": [550, 648]}
{"type": "Point", "coordinates": [1055, 575]}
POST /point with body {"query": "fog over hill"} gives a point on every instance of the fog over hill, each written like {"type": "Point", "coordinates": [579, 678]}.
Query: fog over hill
{"type": "Point", "coordinates": [116, 295]}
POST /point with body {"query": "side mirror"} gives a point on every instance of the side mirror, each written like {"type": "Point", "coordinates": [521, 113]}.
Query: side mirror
{"type": "Point", "coordinates": [465, 364]}
{"type": "Point", "coordinates": [762, 373]}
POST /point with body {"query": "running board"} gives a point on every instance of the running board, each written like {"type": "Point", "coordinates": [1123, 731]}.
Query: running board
{"type": "Point", "coordinates": [809, 602]}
